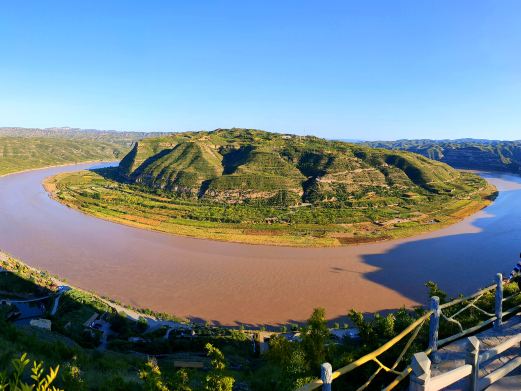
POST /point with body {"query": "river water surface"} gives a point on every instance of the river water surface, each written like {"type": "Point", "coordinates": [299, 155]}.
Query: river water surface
{"type": "Point", "coordinates": [232, 283]}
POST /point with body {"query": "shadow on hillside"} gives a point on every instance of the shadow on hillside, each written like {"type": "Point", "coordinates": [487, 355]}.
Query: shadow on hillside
{"type": "Point", "coordinates": [17, 288]}
{"type": "Point", "coordinates": [23, 299]}
{"type": "Point", "coordinates": [458, 263]}
{"type": "Point", "coordinates": [111, 173]}
{"type": "Point", "coordinates": [17, 295]}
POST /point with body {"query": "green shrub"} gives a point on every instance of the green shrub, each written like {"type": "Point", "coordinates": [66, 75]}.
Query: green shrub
{"type": "Point", "coordinates": [151, 376]}
{"type": "Point", "coordinates": [41, 381]}
{"type": "Point", "coordinates": [216, 380]}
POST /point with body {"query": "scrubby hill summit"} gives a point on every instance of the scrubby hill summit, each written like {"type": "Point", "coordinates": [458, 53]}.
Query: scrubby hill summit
{"type": "Point", "coordinates": [246, 165]}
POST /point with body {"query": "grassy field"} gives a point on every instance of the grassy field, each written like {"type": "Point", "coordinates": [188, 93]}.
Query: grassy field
{"type": "Point", "coordinates": [25, 149]}
{"type": "Point", "coordinates": [371, 218]}
{"type": "Point", "coordinates": [25, 153]}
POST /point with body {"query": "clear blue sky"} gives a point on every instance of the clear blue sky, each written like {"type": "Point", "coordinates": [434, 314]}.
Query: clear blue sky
{"type": "Point", "coordinates": [339, 69]}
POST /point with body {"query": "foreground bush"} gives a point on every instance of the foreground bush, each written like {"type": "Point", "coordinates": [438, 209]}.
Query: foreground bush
{"type": "Point", "coordinates": [14, 380]}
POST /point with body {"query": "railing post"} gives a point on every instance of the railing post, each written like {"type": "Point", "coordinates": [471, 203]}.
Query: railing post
{"type": "Point", "coordinates": [421, 372]}
{"type": "Point", "coordinates": [472, 358]}
{"type": "Point", "coordinates": [326, 375]}
{"type": "Point", "coordinates": [434, 326]}
{"type": "Point", "coordinates": [499, 300]}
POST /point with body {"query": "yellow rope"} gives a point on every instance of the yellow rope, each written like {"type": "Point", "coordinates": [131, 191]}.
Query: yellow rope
{"type": "Point", "coordinates": [416, 326]}
{"type": "Point", "coordinates": [467, 306]}
{"type": "Point", "coordinates": [370, 356]}
{"type": "Point", "coordinates": [385, 368]}
{"type": "Point", "coordinates": [403, 375]}
{"type": "Point", "coordinates": [383, 348]}
{"type": "Point", "coordinates": [366, 384]}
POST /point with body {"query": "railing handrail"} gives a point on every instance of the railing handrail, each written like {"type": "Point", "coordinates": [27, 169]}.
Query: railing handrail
{"type": "Point", "coordinates": [422, 379]}
{"type": "Point", "coordinates": [386, 346]}
{"type": "Point", "coordinates": [448, 378]}
{"type": "Point", "coordinates": [464, 333]}
{"type": "Point", "coordinates": [369, 356]}
{"type": "Point", "coordinates": [434, 312]}
{"type": "Point", "coordinates": [462, 299]}
{"type": "Point", "coordinates": [498, 349]}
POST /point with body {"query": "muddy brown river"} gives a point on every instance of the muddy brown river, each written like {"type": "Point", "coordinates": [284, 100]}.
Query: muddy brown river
{"type": "Point", "coordinates": [230, 283]}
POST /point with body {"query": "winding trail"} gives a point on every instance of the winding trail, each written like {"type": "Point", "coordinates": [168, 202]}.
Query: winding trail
{"type": "Point", "coordinates": [230, 283]}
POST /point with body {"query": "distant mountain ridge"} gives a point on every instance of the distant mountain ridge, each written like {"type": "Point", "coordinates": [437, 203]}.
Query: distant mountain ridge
{"type": "Point", "coordinates": [247, 165]}
{"type": "Point", "coordinates": [67, 132]}
{"type": "Point", "coordinates": [29, 148]}
{"type": "Point", "coordinates": [478, 154]}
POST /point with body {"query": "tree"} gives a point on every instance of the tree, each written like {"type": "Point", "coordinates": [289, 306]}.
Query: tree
{"type": "Point", "coordinates": [181, 381]}
{"type": "Point", "coordinates": [434, 290]}
{"type": "Point", "coordinates": [120, 324]}
{"type": "Point", "coordinates": [315, 337]}
{"type": "Point", "coordinates": [216, 379]}
{"type": "Point", "coordinates": [71, 378]}
{"type": "Point", "coordinates": [142, 324]}
{"type": "Point", "coordinates": [151, 375]}
{"type": "Point", "coordinates": [288, 366]}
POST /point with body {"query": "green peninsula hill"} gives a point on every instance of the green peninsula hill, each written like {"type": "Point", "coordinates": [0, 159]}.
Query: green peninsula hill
{"type": "Point", "coordinates": [253, 186]}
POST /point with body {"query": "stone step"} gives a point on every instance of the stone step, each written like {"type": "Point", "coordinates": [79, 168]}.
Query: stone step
{"type": "Point", "coordinates": [453, 356]}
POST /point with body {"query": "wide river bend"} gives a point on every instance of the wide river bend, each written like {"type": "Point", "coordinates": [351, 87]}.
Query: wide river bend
{"type": "Point", "coordinates": [231, 283]}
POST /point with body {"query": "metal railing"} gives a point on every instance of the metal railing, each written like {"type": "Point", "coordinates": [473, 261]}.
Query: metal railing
{"type": "Point", "coordinates": [421, 379]}
{"type": "Point", "coordinates": [435, 313]}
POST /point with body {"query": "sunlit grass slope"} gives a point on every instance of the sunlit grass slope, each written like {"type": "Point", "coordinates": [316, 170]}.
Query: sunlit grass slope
{"type": "Point", "coordinates": [28, 148]}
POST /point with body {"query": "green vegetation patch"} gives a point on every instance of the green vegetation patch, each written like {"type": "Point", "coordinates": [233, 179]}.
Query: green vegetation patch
{"type": "Point", "coordinates": [258, 187]}
{"type": "Point", "coordinates": [25, 149]}
{"type": "Point", "coordinates": [381, 213]}
{"type": "Point", "coordinates": [492, 155]}
{"type": "Point", "coordinates": [246, 165]}
{"type": "Point", "coordinates": [225, 355]}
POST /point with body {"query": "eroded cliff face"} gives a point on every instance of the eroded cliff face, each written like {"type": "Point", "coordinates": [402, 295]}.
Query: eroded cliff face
{"type": "Point", "coordinates": [245, 166]}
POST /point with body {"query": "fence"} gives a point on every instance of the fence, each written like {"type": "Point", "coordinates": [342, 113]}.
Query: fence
{"type": "Point", "coordinates": [421, 379]}
{"type": "Point", "coordinates": [435, 313]}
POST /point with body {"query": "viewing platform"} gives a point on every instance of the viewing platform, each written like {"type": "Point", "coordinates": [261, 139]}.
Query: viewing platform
{"type": "Point", "coordinates": [455, 355]}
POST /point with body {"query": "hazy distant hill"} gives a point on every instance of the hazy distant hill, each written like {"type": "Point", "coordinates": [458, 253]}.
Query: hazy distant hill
{"type": "Point", "coordinates": [241, 165]}
{"type": "Point", "coordinates": [22, 148]}
{"type": "Point", "coordinates": [118, 137]}
{"type": "Point", "coordinates": [463, 153]}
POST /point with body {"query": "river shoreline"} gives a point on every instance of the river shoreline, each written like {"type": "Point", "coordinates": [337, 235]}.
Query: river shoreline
{"type": "Point", "coordinates": [230, 283]}
{"type": "Point", "coordinates": [229, 235]}
{"type": "Point", "coordinates": [57, 166]}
